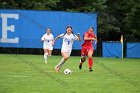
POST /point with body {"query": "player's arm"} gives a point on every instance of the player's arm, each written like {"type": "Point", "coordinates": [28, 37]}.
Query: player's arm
{"type": "Point", "coordinates": [42, 39]}
{"type": "Point", "coordinates": [88, 38]}
{"type": "Point", "coordinates": [56, 38]}
{"type": "Point", "coordinates": [53, 41]}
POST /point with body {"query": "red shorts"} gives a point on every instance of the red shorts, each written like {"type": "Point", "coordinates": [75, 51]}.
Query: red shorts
{"type": "Point", "coordinates": [85, 49]}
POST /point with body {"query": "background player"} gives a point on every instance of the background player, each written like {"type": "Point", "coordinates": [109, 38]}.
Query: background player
{"type": "Point", "coordinates": [87, 48]}
{"type": "Point", "coordinates": [48, 40]}
{"type": "Point", "coordinates": [68, 38]}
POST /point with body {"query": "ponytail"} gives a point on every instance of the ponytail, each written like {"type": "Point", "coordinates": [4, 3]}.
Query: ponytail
{"type": "Point", "coordinates": [64, 33]}
{"type": "Point", "coordinates": [72, 33]}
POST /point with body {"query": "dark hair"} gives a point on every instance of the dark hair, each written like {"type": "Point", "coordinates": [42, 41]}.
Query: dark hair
{"type": "Point", "coordinates": [91, 28]}
{"type": "Point", "coordinates": [47, 29]}
{"type": "Point", "coordinates": [66, 30]}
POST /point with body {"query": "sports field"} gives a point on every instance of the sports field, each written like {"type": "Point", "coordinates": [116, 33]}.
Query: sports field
{"type": "Point", "coordinates": [29, 74]}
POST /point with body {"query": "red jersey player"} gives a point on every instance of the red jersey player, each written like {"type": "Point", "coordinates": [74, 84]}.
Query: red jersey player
{"type": "Point", "coordinates": [87, 48]}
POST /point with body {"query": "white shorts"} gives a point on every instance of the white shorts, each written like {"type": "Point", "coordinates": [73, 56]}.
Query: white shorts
{"type": "Point", "coordinates": [66, 51]}
{"type": "Point", "coordinates": [47, 47]}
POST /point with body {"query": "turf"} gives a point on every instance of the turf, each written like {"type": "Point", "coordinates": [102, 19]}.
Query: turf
{"type": "Point", "coordinates": [29, 74]}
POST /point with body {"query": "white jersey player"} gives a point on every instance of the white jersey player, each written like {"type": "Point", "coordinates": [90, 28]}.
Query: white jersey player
{"type": "Point", "coordinates": [66, 49]}
{"type": "Point", "coordinates": [48, 42]}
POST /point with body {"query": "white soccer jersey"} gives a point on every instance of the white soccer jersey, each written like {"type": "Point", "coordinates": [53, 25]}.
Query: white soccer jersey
{"type": "Point", "coordinates": [68, 42]}
{"type": "Point", "coordinates": [47, 41]}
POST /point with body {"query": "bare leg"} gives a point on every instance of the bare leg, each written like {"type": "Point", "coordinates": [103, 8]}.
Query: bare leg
{"type": "Point", "coordinates": [63, 60]}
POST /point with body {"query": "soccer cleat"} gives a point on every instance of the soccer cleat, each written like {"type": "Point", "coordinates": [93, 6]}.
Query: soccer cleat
{"type": "Point", "coordinates": [57, 68]}
{"type": "Point", "coordinates": [90, 70]}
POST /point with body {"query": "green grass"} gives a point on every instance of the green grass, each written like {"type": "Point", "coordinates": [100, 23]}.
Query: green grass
{"type": "Point", "coordinates": [29, 74]}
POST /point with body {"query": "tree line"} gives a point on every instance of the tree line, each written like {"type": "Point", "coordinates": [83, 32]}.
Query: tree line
{"type": "Point", "coordinates": [115, 17]}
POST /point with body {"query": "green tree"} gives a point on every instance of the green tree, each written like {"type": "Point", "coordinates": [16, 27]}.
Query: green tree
{"type": "Point", "coordinates": [114, 16]}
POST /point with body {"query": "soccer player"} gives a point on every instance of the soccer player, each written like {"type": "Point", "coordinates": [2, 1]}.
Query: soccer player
{"type": "Point", "coordinates": [48, 42]}
{"type": "Point", "coordinates": [68, 38]}
{"type": "Point", "coordinates": [87, 48]}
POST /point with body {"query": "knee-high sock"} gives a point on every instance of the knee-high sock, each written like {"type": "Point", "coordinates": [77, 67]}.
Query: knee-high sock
{"type": "Point", "coordinates": [90, 62]}
{"type": "Point", "coordinates": [45, 57]}
{"type": "Point", "coordinates": [81, 62]}
{"type": "Point", "coordinates": [61, 63]}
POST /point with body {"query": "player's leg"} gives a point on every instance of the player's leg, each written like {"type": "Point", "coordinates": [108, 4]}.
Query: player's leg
{"type": "Point", "coordinates": [50, 48]}
{"type": "Point", "coordinates": [63, 60]}
{"type": "Point", "coordinates": [82, 60]}
{"type": "Point", "coordinates": [83, 57]}
{"type": "Point", "coordinates": [46, 55]}
{"type": "Point", "coordinates": [90, 61]}
{"type": "Point", "coordinates": [49, 52]}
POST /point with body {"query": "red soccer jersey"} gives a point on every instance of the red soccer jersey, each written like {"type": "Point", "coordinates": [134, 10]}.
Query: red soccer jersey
{"type": "Point", "coordinates": [88, 42]}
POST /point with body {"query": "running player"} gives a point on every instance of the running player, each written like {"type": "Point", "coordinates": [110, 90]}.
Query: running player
{"type": "Point", "coordinates": [48, 40]}
{"type": "Point", "coordinates": [87, 48]}
{"type": "Point", "coordinates": [68, 38]}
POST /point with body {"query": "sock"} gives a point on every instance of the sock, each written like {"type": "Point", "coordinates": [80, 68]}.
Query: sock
{"type": "Point", "coordinates": [61, 63]}
{"type": "Point", "coordinates": [90, 62]}
{"type": "Point", "coordinates": [81, 62]}
{"type": "Point", "coordinates": [45, 57]}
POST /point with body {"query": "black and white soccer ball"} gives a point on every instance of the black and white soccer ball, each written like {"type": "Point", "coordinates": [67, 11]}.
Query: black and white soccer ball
{"type": "Point", "coordinates": [67, 71]}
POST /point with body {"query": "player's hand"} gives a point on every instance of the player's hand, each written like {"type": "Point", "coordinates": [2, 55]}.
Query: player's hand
{"type": "Point", "coordinates": [93, 38]}
{"type": "Point", "coordinates": [44, 39]}
{"type": "Point", "coordinates": [79, 38]}
{"type": "Point", "coordinates": [78, 34]}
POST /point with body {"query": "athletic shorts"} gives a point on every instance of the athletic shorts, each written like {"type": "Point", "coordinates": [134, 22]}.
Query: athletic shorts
{"type": "Point", "coordinates": [49, 47]}
{"type": "Point", "coordinates": [66, 50]}
{"type": "Point", "coordinates": [84, 51]}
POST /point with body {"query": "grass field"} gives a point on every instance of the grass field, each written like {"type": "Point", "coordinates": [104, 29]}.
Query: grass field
{"type": "Point", "coordinates": [29, 74]}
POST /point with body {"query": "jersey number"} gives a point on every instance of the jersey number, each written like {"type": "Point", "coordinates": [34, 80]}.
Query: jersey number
{"type": "Point", "coordinates": [68, 42]}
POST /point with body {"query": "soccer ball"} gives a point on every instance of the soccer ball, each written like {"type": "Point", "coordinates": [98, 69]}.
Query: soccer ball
{"type": "Point", "coordinates": [67, 71]}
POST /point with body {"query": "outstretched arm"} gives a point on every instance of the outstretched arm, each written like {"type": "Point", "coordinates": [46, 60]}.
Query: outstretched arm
{"type": "Point", "coordinates": [88, 38]}
{"type": "Point", "coordinates": [56, 38]}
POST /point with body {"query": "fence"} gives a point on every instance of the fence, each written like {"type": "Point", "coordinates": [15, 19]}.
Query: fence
{"type": "Point", "coordinates": [24, 28]}
{"type": "Point", "coordinates": [114, 49]}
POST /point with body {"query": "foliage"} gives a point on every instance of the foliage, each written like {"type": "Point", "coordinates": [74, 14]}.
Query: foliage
{"type": "Point", "coordinates": [114, 16]}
